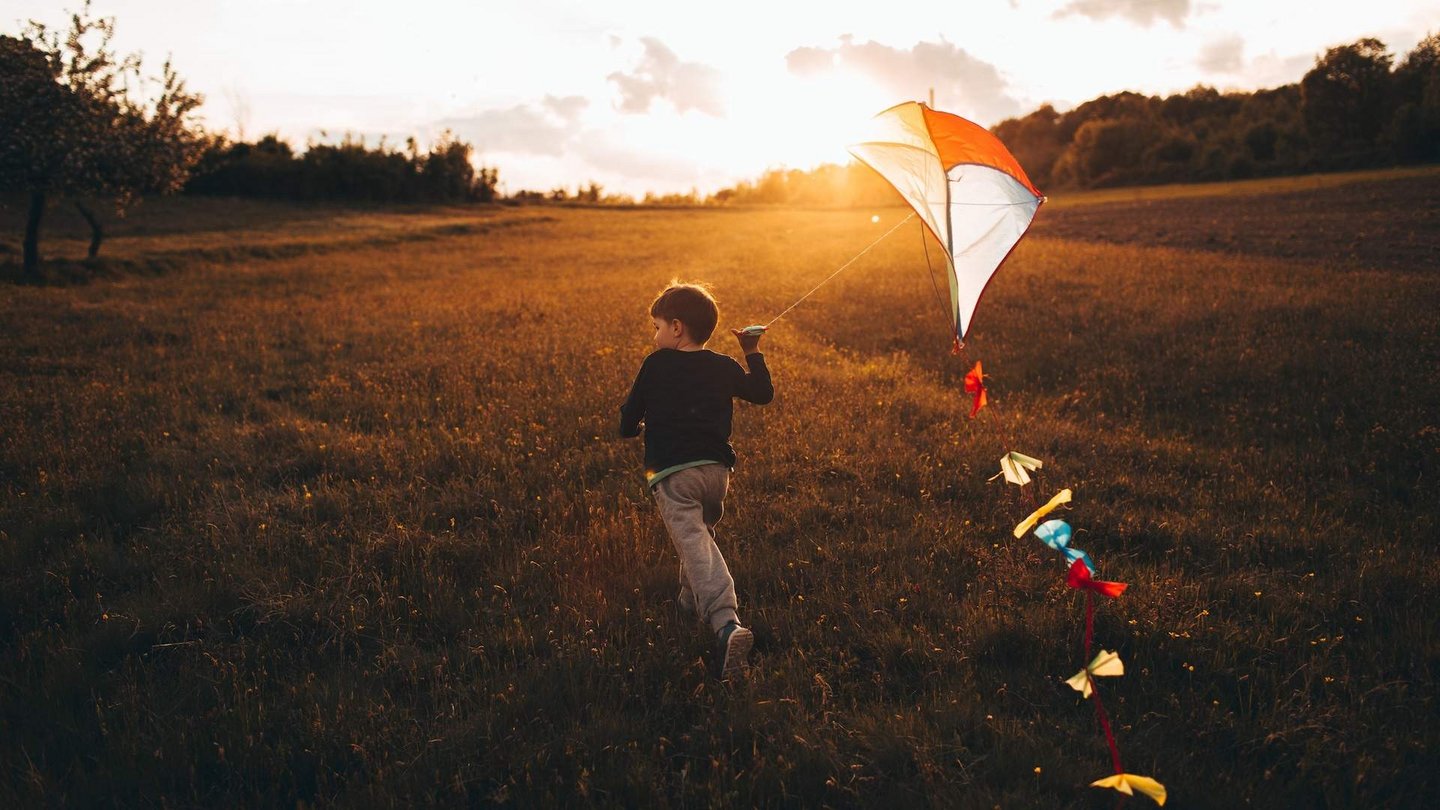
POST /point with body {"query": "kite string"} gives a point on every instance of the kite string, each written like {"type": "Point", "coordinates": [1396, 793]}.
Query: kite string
{"type": "Point", "coordinates": [930, 274]}
{"type": "Point", "coordinates": [837, 272]}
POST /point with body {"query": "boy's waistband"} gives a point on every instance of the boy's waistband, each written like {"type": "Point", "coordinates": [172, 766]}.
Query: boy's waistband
{"type": "Point", "coordinates": [653, 478]}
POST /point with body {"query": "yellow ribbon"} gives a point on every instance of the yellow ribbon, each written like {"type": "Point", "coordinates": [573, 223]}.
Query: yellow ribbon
{"type": "Point", "coordinates": [1128, 783]}
{"type": "Point", "coordinates": [1028, 523]}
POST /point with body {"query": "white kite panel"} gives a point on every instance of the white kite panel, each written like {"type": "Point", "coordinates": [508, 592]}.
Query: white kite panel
{"type": "Point", "coordinates": [988, 212]}
{"type": "Point", "coordinates": [917, 175]}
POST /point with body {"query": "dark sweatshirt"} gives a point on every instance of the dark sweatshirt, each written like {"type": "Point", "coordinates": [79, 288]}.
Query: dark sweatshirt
{"type": "Point", "coordinates": [685, 400]}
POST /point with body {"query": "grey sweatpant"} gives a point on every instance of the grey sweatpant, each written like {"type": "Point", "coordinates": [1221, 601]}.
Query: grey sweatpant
{"type": "Point", "coordinates": [691, 502]}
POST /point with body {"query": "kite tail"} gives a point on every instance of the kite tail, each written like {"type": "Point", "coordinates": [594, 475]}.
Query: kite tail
{"type": "Point", "coordinates": [1095, 688]}
{"type": "Point", "coordinates": [1089, 623]}
{"type": "Point", "coordinates": [1105, 724]}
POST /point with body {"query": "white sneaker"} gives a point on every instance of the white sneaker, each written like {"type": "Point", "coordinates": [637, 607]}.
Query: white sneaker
{"type": "Point", "coordinates": [732, 650]}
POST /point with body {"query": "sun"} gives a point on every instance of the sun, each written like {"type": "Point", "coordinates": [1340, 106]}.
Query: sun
{"type": "Point", "coordinates": [772, 120]}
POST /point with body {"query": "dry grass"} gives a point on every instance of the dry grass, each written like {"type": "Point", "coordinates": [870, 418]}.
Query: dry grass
{"type": "Point", "coordinates": [350, 526]}
{"type": "Point", "coordinates": [1327, 184]}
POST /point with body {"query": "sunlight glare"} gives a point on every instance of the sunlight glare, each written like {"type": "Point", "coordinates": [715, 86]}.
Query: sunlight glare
{"type": "Point", "coordinates": [803, 122]}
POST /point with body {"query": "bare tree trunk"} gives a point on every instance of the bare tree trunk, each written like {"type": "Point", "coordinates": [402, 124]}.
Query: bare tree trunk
{"type": "Point", "coordinates": [30, 270]}
{"type": "Point", "coordinates": [96, 233]}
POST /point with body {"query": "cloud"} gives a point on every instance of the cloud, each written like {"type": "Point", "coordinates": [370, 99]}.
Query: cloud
{"type": "Point", "coordinates": [661, 75]}
{"type": "Point", "coordinates": [968, 85]}
{"type": "Point", "coordinates": [809, 61]}
{"type": "Point", "coordinates": [522, 129]}
{"type": "Point", "coordinates": [545, 142]}
{"type": "Point", "coordinates": [1272, 70]}
{"type": "Point", "coordinates": [1143, 12]}
{"type": "Point", "coordinates": [639, 166]}
{"type": "Point", "coordinates": [1224, 55]}
{"type": "Point", "coordinates": [567, 107]}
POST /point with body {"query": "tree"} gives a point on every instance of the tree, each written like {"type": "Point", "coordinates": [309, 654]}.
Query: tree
{"type": "Point", "coordinates": [1415, 128]}
{"type": "Point", "coordinates": [1106, 152]}
{"type": "Point", "coordinates": [590, 193]}
{"type": "Point", "coordinates": [82, 128]}
{"type": "Point", "coordinates": [1260, 140]}
{"type": "Point", "coordinates": [1035, 141]}
{"type": "Point", "coordinates": [33, 108]}
{"type": "Point", "coordinates": [349, 170]}
{"type": "Point", "coordinates": [1345, 98]}
{"type": "Point", "coordinates": [1421, 66]}
{"type": "Point", "coordinates": [487, 180]}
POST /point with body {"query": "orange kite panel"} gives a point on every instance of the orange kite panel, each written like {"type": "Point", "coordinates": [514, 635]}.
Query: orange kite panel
{"type": "Point", "coordinates": [960, 141]}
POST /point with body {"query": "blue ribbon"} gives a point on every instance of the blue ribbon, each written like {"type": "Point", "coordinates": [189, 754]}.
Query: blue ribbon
{"type": "Point", "coordinates": [1056, 534]}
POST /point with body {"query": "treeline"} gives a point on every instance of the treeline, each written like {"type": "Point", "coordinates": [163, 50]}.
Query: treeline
{"type": "Point", "coordinates": [1355, 109]}
{"type": "Point", "coordinates": [349, 170]}
{"type": "Point", "coordinates": [828, 186]}
{"type": "Point", "coordinates": [593, 193]}
{"type": "Point", "coordinates": [852, 185]}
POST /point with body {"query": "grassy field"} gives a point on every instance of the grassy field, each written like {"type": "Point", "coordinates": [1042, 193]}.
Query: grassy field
{"type": "Point", "coordinates": [325, 506]}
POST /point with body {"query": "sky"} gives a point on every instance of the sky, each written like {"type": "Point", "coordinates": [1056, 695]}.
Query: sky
{"type": "Point", "coordinates": [674, 96]}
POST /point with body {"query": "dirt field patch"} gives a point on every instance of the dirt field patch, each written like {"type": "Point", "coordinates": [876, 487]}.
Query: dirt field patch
{"type": "Point", "coordinates": [1390, 225]}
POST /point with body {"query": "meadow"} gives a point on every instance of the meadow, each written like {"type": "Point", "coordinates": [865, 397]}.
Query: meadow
{"type": "Point", "coordinates": [324, 506]}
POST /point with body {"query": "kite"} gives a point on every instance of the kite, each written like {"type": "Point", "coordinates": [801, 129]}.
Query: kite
{"type": "Point", "coordinates": [1063, 496]}
{"type": "Point", "coordinates": [1128, 783]}
{"type": "Point", "coordinates": [1056, 534]}
{"type": "Point", "coordinates": [1079, 578]}
{"type": "Point", "coordinates": [975, 384]}
{"type": "Point", "coordinates": [965, 186]}
{"type": "Point", "coordinates": [1106, 664]}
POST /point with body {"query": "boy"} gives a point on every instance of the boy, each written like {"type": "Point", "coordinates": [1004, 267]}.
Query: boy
{"type": "Point", "coordinates": [683, 393]}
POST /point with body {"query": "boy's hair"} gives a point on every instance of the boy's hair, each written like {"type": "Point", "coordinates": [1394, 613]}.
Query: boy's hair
{"type": "Point", "coordinates": [690, 304]}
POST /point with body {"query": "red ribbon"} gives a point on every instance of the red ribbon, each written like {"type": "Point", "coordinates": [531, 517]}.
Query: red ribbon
{"type": "Point", "coordinates": [1079, 577]}
{"type": "Point", "coordinates": [1094, 687]}
{"type": "Point", "coordinates": [1105, 724]}
{"type": "Point", "coordinates": [975, 384]}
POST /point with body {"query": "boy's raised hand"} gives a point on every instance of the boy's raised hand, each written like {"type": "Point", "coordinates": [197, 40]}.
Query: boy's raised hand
{"type": "Point", "coordinates": [749, 340]}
